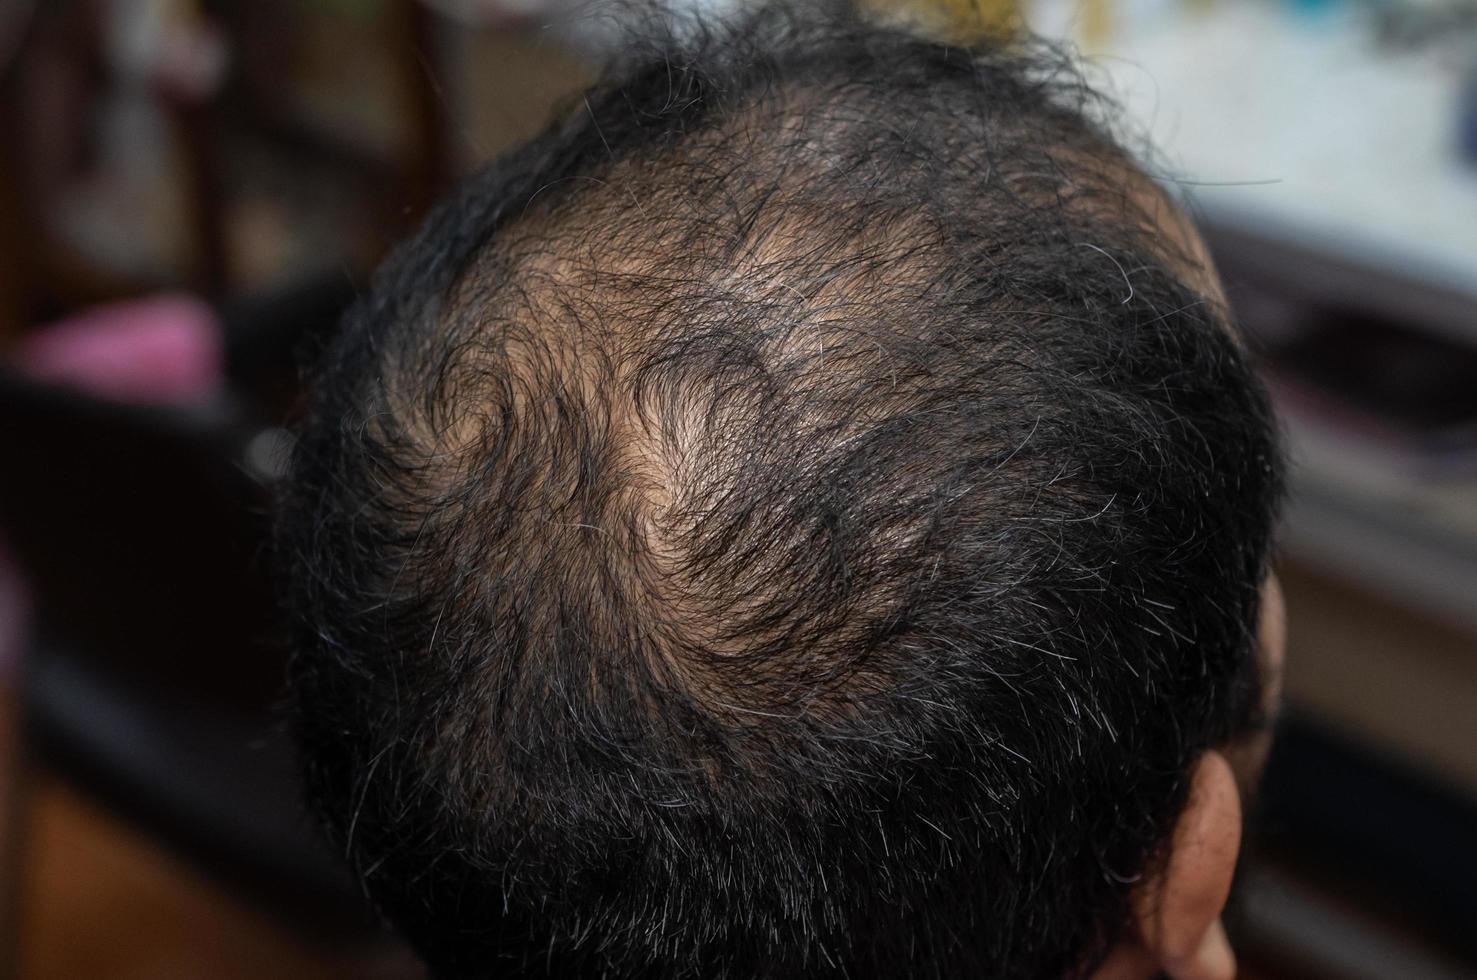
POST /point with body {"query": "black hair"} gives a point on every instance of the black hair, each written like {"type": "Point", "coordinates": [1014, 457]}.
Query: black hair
{"type": "Point", "coordinates": [797, 517]}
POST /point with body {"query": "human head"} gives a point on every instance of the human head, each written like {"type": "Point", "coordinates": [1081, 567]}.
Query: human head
{"type": "Point", "coordinates": [802, 516]}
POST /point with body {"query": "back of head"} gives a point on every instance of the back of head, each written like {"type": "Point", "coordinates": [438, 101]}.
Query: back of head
{"type": "Point", "coordinates": [795, 518]}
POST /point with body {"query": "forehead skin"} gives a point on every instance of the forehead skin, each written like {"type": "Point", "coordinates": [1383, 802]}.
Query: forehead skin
{"type": "Point", "coordinates": [1166, 226]}
{"type": "Point", "coordinates": [1172, 225]}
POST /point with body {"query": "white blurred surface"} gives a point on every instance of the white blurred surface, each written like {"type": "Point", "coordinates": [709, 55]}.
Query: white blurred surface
{"type": "Point", "coordinates": [1299, 126]}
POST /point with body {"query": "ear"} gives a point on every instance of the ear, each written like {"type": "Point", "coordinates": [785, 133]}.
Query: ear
{"type": "Point", "coordinates": [1177, 911]}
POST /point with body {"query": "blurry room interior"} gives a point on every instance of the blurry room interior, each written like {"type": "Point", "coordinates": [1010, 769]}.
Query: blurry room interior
{"type": "Point", "coordinates": [250, 161]}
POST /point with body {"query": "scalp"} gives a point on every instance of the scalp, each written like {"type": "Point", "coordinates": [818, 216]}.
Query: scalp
{"type": "Point", "coordinates": [771, 525]}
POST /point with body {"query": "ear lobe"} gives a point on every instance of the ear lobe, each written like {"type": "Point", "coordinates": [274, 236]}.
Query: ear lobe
{"type": "Point", "coordinates": [1179, 911]}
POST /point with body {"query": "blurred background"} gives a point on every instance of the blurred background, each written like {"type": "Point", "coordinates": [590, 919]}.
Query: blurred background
{"type": "Point", "coordinates": [191, 190]}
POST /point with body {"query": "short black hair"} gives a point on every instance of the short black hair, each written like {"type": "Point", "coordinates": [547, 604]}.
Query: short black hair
{"type": "Point", "coordinates": [797, 517]}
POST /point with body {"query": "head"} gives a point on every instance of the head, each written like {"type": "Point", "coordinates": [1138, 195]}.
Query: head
{"type": "Point", "coordinates": [804, 515]}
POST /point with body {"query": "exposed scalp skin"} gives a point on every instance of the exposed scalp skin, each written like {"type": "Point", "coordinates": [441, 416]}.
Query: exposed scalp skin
{"type": "Point", "coordinates": [796, 518]}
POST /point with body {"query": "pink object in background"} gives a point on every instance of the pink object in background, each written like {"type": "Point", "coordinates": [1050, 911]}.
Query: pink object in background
{"type": "Point", "coordinates": [164, 349]}
{"type": "Point", "coordinates": [167, 349]}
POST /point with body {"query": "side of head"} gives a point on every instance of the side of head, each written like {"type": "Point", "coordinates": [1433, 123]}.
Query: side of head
{"type": "Point", "coordinates": [795, 518]}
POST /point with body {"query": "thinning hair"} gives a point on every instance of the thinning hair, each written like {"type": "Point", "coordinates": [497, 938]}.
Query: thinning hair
{"type": "Point", "coordinates": [797, 517]}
